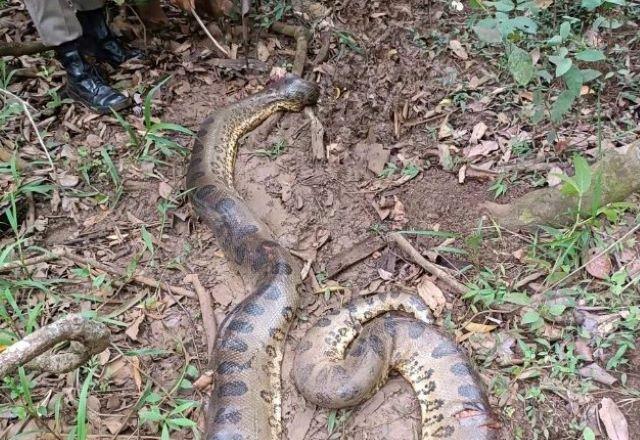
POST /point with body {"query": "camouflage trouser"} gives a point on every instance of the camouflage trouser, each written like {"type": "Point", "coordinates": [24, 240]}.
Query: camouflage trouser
{"type": "Point", "coordinates": [56, 19]}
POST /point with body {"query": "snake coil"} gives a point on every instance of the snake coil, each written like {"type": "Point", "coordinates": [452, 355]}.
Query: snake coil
{"type": "Point", "coordinates": [347, 355]}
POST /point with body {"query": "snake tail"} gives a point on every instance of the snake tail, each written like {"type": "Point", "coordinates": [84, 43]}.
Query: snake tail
{"type": "Point", "coordinates": [347, 355]}
{"type": "Point", "coordinates": [245, 403]}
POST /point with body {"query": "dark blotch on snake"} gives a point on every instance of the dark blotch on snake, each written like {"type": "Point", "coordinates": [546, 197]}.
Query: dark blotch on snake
{"type": "Point", "coordinates": [240, 326]}
{"type": "Point", "coordinates": [323, 322]}
{"type": "Point", "coordinates": [460, 369]}
{"type": "Point", "coordinates": [376, 345]}
{"type": "Point", "coordinates": [445, 348]}
{"type": "Point", "coordinates": [358, 350]}
{"type": "Point", "coordinates": [228, 415]}
{"type": "Point", "coordinates": [234, 344]}
{"type": "Point", "coordinates": [287, 312]}
{"type": "Point", "coordinates": [230, 367]}
{"type": "Point", "coordinates": [235, 388]}
{"type": "Point", "coordinates": [470, 392]}
{"type": "Point", "coordinates": [282, 268]}
{"type": "Point", "coordinates": [395, 294]}
{"type": "Point", "coordinates": [227, 436]}
{"type": "Point", "coordinates": [417, 303]}
{"type": "Point", "coordinates": [253, 309]}
{"type": "Point", "coordinates": [444, 432]}
{"type": "Point", "coordinates": [416, 329]}
{"type": "Point", "coordinates": [303, 346]}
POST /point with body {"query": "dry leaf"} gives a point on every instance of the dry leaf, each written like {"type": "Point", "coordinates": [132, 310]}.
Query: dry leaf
{"type": "Point", "coordinates": [598, 266]}
{"type": "Point", "coordinates": [597, 373]}
{"type": "Point", "coordinates": [614, 421]}
{"type": "Point", "coordinates": [482, 149]}
{"type": "Point", "coordinates": [263, 51]}
{"type": "Point", "coordinates": [165, 190]}
{"type": "Point", "coordinates": [458, 50]}
{"type": "Point", "coordinates": [377, 158]}
{"type": "Point", "coordinates": [432, 295]}
{"type": "Point", "coordinates": [553, 178]}
{"type": "Point", "coordinates": [203, 381]}
{"type": "Point", "coordinates": [68, 180]}
{"type": "Point", "coordinates": [445, 130]}
{"type": "Point", "coordinates": [478, 132]}
{"type": "Point", "coordinates": [134, 328]}
{"type": "Point", "coordinates": [475, 327]}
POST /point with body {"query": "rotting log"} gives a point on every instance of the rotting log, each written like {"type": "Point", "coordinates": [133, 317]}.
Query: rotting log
{"type": "Point", "coordinates": [19, 49]}
{"type": "Point", "coordinates": [618, 176]}
{"type": "Point", "coordinates": [94, 337]}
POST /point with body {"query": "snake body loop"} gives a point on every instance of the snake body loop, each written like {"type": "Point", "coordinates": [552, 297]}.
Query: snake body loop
{"type": "Point", "coordinates": [347, 355]}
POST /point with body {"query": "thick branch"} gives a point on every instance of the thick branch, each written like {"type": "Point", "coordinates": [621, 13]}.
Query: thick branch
{"type": "Point", "coordinates": [615, 177]}
{"type": "Point", "coordinates": [18, 49]}
{"type": "Point", "coordinates": [93, 336]}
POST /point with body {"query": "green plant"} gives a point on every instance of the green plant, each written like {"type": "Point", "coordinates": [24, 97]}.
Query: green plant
{"type": "Point", "coordinates": [275, 151]}
{"type": "Point", "coordinates": [152, 139]}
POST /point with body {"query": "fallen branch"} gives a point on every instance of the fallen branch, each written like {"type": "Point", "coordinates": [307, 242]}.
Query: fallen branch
{"type": "Point", "coordinates": [433, 269]}
{"type": "Point", "coordinates": [317, 135]}
{"type": "Point", "coordinates": [206, 31]}
{"type": "Point", "coordinates": [92, 335]}
{"type": "Point", "coordinates": [62, 253]}
{"type": "Point", "coordinates": [19, 49]}
{"type": "Point", "coordinates": [351, 256]}
{"type": "Point", "coordinates": [619, 177]}
{"type": "Point", "coordinates": [206, 306]}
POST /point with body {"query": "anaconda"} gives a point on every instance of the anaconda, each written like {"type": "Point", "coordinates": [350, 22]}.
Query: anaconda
{"type": "Point", "coordinates": [347, 355]}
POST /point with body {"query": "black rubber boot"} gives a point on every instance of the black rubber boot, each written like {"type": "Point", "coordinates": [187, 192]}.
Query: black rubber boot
{"type": "Point", "coordinates": [98, 41]}
{"type": "Point", "coordinates": [84, 83]}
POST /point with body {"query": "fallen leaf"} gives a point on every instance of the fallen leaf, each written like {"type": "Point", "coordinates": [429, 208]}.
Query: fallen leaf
{"type": "Point", "coordinates": [598, 266]}
{"type": "Point", "coordinates": [482, 149]}
{"type": "Point", "coordinates": [478, 132]}
{"type": "Point", "coordinates": [458, 50]}
{"type": "Point", "coordinates": [614, 421]}
{"type": "Point", "coordinates": [68, 180]}
{"type": "Point", "coordinates": [384, 274]}
{"type": "Point", "coordinates": [432, 295]}
{"type": "Point", "coordinates": [597, 373]}
{"type": "Point", "coordinates": [553, 178]}
{"type": "Point", "coordinates": [444, 153]}
{"type": "Point", "coordinates": [475, 327]}
{"type": "Point", "coordinates": [165, 190]}
{"type": "Point", "coordinates": [203, 381]}
{"type": "Point", "coordinates": [377, 158]}
{"type": "Point", "coordinates": [134, 328]}
{"type": "Point", "coordinates": [445, 130]}
{"type": "Point", "coordinates": [462, 174]}
{"type": "Point", "coordinates": [263, 51]}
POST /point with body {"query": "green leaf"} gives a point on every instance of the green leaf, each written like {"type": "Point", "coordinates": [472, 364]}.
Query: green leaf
{"type": "Point", "coordinates": [588, 434]}
{"type": "Point", "coordinates": [503, 6]}
{"type": "Point", "coordinates": [590, 55]}
{"type": "Point", "coordinates": [521, 299]}
{"type": "Point", "coordinates": [563, 67]}
{"type": "Point", "coordinates": [573, 80]}
{"type": "Point", "coordinates": [150, 415]}
{"type": "Point", "coordinates": [520, 65]}
{"type": "Point", "coordinates": [525, 24]}
{"type": "Point", "coordinates": [562, 105]}
{"type": "Point", "coordinates": [565, 30]}
{"type": "Point", "coordinates": [590, 74]}
{"type": "Point", "coordinates": [183, 422]}
{"type": "Point", "coordinates": [538, 108]}
{"type": "Point", "coordinates": [557, 309]}
{"type": "Point", "coordinates": [153, 397]}
{"type": "Point", "coordinates": [583, 174]}
{"type": "Point", "coordinates": [487, 31]}
{"type": "Point", "coordinates": [81, 417]}
{"type": "Point", "coordinates": [530, 317]}
{"type": "Point", "coordinates": [147, 101]}
{"type": "Point", "coordinates": [147, 239]}
{"type": "Point", "coordinates": [591, 4]}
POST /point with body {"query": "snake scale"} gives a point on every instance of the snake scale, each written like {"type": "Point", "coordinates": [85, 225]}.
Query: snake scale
{"type": "Point", "coordinates": [347, 355]}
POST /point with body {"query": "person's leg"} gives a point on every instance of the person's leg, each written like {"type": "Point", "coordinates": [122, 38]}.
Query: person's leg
{"type": "Point", "coordinates": [58, 26]}
{"type": "Point", "coordinates": [97, 39]}
{"type": "Point", "coordinates": [55, 21]}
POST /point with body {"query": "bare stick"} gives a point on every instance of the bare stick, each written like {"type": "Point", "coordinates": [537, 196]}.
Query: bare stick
{"type": "Point", "coordinates": [27, 48]}
{"type": "Point", "coordinates": [317, 135]}
{"type": "Point", "coordinates": [206, 31]}
{"type": "Point", "coordinates": [137, 278]}
{"type": "Point", "coordinates": [31, 261]}
{"type": "Point", "coordinates": [433, 269]}
{"type": "Point", "coordinates": [206, 306]}
{"type": "Point", "coordinates": [93, 335]}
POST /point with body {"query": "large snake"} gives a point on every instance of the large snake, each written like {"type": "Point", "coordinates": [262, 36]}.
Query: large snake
{"type": "Point", "coordinates": [347, 355]}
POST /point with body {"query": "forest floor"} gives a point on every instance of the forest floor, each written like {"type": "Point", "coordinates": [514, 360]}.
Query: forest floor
{"type": "Point", "coordinates": [423, 123]}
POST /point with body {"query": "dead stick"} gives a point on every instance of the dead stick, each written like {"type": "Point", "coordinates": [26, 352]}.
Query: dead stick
{"type": "Point", "coordinates": [93, 335]}
{"type": "Point", "coordinates": [30, 261]}
{"type": "Point", "coordinates": [433, 269]}
{"type": "Point", "coordinates": [18, 49]}
{"type": "Point", "coordinates": [206, 31]}
{"type": "Point", "coordinates": [206, 306]}
{"type": "Point", "coordinates": [120, 273]}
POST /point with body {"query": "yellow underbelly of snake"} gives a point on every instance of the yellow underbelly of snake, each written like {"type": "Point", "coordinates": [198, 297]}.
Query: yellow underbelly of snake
{"type": "Point", "coordinates": [347, 355]}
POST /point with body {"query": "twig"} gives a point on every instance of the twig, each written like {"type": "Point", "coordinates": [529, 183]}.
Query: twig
{"type": "Point", "coordinates": [26, 106]}
{"type": "Point", "coordinates": [93, 335]}
{"type": "Point", "coordinates": [120, 273]}
{"type": "Point", "coordinates": [206, 31]}
{"type": "Point", "coordinates": [206, 306]}
{"type": "Point", "coordinates": [317, 135]}
{"type": "Point", "coordinates": [31, 261]}
{"type": "Point", "coordinates": [433, 269]}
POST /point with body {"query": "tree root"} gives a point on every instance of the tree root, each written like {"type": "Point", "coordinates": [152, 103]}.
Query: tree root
{"type": "Point", "coordinates": [19, 49]}
{"type": "Point", "coordinates": [618, 175]}
{"type": "Point", "coordinates": [94, 337]}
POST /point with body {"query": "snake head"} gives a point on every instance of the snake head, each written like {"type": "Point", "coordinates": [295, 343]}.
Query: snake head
{"type": "Point", "coordinates": [297, 91]}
